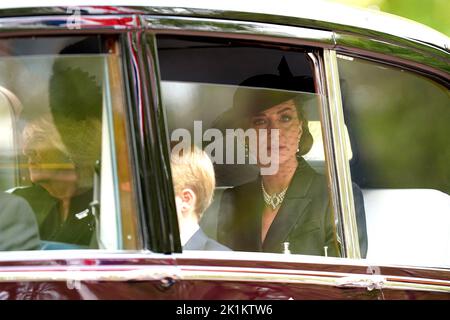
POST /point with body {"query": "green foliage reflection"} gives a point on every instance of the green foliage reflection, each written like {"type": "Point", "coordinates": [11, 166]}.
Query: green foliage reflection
{"type": "Point", "coordinates": [433, 13]}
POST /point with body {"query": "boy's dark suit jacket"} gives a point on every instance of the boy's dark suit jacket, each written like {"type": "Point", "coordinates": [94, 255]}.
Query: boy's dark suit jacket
{"type": "Point", "coordinates": [200, 241]}
{"type": "Point", "coordinates": [305, 218]}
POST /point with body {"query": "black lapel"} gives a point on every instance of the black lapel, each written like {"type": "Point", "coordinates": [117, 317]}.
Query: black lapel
{"type": "Point", "coordinates": [294, 206]}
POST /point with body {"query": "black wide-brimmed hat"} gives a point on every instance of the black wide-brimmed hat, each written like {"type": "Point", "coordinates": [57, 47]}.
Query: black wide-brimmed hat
{"type": "Point", "coordinates": [262, 92]}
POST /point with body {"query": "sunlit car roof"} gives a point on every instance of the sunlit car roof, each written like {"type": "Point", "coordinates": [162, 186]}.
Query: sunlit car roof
{"type": "Point", "coordinates": [316, 13]}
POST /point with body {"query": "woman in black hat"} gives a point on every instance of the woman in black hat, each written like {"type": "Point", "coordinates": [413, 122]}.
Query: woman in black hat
{"type": "Point", "coordinates": [290, 209]}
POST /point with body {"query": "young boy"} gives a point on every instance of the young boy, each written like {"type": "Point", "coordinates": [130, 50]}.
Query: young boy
{"type": "Point", "coordinates": [194, 183]}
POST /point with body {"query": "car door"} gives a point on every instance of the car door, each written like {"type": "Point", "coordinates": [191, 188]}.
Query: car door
{"type": "Point", "coordinates": [397, 117]}
{"type": "Point", "coordinates": [199, 70]}
{"type": "Point", "coordinates": [66, 129]}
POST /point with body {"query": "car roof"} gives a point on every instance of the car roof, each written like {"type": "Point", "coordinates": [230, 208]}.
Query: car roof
{"type": "Point", "coordinates": [328, 15]}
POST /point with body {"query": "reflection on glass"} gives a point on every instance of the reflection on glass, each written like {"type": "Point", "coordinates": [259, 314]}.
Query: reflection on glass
{"type": "Point", "coordinates": [261, 145]}
{"type": "Point", "coordinates": [398, 124]}
{"type": "Point", "coordinates": [52, 143]}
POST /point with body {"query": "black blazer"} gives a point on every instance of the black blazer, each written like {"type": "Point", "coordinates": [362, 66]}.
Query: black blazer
{"type": "Point", "coordinates": [305, 218]}
{"type": "Point", "coordinates": [77, 229]}
{"type": "Point", "coordinates": [200, 241]}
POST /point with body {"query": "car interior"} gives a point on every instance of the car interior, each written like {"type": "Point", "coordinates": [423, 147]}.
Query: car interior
{"type": "Point", "coordinates": [33, 59]}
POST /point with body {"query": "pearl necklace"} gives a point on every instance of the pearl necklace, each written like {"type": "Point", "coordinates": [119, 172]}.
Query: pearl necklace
{"type": "Point", "coordinates": [275, 200]}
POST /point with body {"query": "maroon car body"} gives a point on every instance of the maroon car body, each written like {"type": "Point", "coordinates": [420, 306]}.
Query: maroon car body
{"type": "Point", "coordinates": [153, 266]}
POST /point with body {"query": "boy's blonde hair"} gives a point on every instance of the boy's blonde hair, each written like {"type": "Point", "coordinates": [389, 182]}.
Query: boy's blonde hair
{"type": "Point", "coordinates": [194, 170]}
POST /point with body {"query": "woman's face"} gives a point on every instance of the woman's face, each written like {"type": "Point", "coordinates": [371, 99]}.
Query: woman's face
{"type": "Point", "coordinates": [283, 117]}
{"type": "Point", "coordinates": [47, 163]}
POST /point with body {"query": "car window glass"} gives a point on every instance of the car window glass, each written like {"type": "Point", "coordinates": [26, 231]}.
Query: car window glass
{"type": "Point", "coordinates": [253, 113]}
{"type": "Point", "coordinates": [57, 151]}
{"type": "Point", "coordinates": [398, 123]}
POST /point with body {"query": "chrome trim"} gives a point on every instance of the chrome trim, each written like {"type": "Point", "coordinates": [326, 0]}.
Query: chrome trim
{"type": "Point", "coordinates": [34, 256]}
{"type": "Point", "coordinates": [385, 47]}
{"type": "Point", "coordinates": [340, 147]}
{"type": "Point", "coordinates": [327, 143]}
{"type": "Point", "coordinates": [362, 22]}
{"type": "Point", "coordinates": [377, 43]}
{"type": "Point", "coordinates": [66, 23]}
{"type": "Point", "coordinates": [77, 256]}
{"type": "Point", "coordinates": [122, 273]}
{"type": "Point", "coordinates": [395, 285]}
{"type": "Point", "coordinates": [72, 273]}
{"type": "Point", "coordinates": [236, 29]}
{"type": "Point", "coordinates": [419, 55]}
{"type": "Point", "coordinates": [258, 274]}
{"type": "Point", "coordinates": [132, 256]}
{"type": "Point", "coordinates": [426, 58]}
{"type": "Point", "coordinates": [320, 15]}
{"type": "Point", "coordinates": [334, 279]}
{"type": "Point", "coordinates": [358, 26]}
{"type": "Point", "coordinates": [369, 282]}
{"type": "Point", "coordinates": [126, 265]}
{"type": "Point", "coordinates": [429, 57]}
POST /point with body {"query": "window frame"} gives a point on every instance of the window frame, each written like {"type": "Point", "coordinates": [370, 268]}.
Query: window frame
{"type": "Point", "coordinates": [385, 53]}
{"type": "Point", "coordinates": [317, 40]}
{"type": "Point", "coordinates": [423, 71]}
{"type": "Point", "coordinates": [328, 44]}
{"type": "Point", "coordinates": [54, 27]}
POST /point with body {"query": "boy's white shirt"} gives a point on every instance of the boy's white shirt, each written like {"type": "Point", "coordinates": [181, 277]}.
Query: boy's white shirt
{"type": "Point", "coordinates": [188, 230]}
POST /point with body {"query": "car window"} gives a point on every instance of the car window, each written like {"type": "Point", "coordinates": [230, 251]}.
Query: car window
{"type": "Point", "coordinates": [60, 105]}
{"type": "Point", "coordinates": [256, 179]}
{"type": "Point", "coordinates": [398, 124]}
